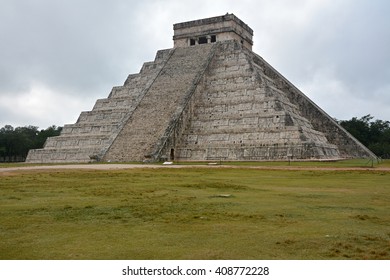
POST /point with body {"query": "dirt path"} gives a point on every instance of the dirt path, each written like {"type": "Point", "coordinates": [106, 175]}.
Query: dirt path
{"type": "Point", "coordinates": [133, 166]}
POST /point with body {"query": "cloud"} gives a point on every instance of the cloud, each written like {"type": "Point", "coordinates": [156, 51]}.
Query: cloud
{"type": "Point", "coordinates": [42, 105]}
{"type": "Point", "coordinates": [72, 51]}
{"type": "Point", "coordinates": [76, 51]}
{"type": "Point", "coordinates": [334, 96]}
{"type": "Point", "coordinates": [337, 50]}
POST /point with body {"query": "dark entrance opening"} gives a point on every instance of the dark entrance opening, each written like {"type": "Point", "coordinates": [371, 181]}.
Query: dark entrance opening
{"type": "Point", "coordinates": [192, 42]}
{"type": "Point", "coordinates": [202, 40]}
{"type": "Point", "coordinates": [213, 38]}
{"type": "Point", "coordinates": [172, 155]}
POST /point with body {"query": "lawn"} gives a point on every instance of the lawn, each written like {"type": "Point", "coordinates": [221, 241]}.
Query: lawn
{"type": "Point", "coordinates": [195, 213]}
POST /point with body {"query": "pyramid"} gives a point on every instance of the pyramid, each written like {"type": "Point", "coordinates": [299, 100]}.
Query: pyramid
{"type": "Point", "coordinates": [210, 97]}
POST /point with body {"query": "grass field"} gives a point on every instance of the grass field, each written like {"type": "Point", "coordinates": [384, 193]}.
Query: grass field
{"type": "Point", "coordinates": [195, 213]}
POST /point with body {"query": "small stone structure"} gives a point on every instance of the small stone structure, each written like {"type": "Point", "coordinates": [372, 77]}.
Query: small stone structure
{"type": "Point", "coordinates": [208, 98]}
{"type": "Point", "coordinates": [204, 31]}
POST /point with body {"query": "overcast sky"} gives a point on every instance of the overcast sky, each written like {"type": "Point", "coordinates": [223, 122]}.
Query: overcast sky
{"type": "Point", "coordinates": [57, 57]}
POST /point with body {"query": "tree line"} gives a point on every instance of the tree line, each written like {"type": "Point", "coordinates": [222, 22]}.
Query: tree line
{"type": "Point", "coordinates": [16, 142]}
{"type": "Point", "coordinates": [374, 134]}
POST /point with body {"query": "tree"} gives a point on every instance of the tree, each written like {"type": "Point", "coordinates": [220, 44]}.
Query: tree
{"type": "Point", "coordinates": [16, 142]}
{"type": "Point", "coordinates": [375, 135]}
{"type": "Point", "coordinates": [7, 140]}
{"type": "Point", "coordinates": [359, 128]}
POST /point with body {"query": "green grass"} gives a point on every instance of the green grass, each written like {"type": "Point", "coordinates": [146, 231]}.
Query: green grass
{"type": "Point", "coordinates": [195, 213]}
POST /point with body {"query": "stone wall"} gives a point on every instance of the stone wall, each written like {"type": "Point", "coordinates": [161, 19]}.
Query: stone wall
{"type": "Point", "coordinates": [227, 27]}
{"type": "Point", "coordinates": [240, 114]}
{"type": "Point", "coordinates": [348, 146]}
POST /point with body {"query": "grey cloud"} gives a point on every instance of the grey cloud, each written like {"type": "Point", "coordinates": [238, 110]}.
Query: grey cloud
{"type": "Point", "coordinates": [80, 49]}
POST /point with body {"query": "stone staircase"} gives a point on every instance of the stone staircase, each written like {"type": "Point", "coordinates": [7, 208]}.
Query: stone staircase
{"type": "Point", "coordinates": [95, 130]}
{"type": "Point", "coordinates": [144, 135]}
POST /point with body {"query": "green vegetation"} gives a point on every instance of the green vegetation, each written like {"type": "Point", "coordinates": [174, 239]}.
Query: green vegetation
{"type": "Point", "coordinates": [375, 135]}
{"type": "Point", "coordinates": [16, 142]}
{"type": "Point", "coordinates": [195, 213]}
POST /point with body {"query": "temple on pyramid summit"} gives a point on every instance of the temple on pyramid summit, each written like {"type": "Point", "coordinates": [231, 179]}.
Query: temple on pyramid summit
{"type": "Point", "coordinates": [208, 98]}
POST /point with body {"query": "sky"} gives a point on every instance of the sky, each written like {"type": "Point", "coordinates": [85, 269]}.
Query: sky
{"type": "Point", "coordinates": [58, 57]}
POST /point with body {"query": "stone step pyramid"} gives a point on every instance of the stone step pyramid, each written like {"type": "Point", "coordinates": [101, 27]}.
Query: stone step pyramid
{"type": "Point", "coordinates": [208, 98]}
